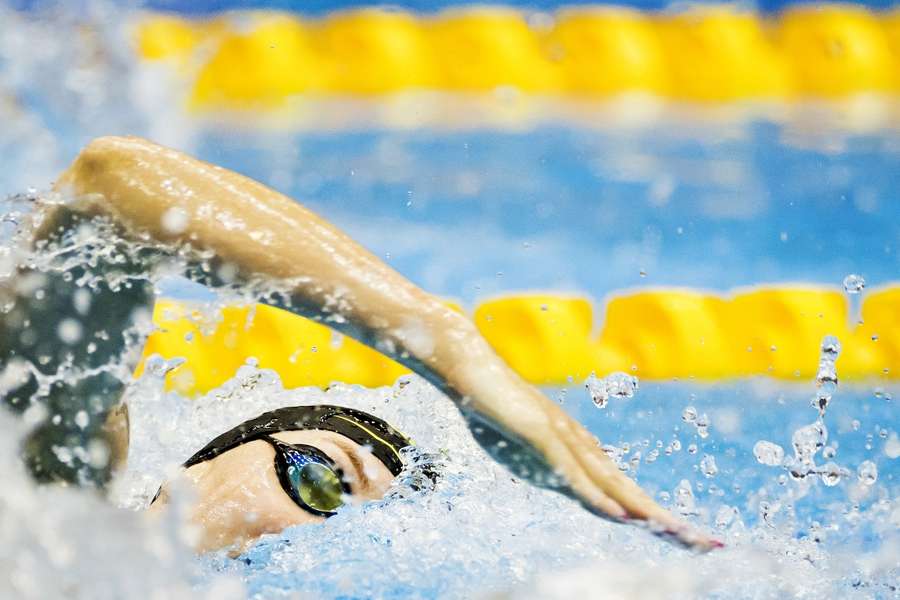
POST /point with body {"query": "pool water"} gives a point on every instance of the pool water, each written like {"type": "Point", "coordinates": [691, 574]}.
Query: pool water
{"type": "Point", "coordinates": [483, 532]}
{"type": "Point", "coordinates": [670, 199]}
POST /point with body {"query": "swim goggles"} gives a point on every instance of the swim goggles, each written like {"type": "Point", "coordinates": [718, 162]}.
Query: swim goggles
{"type": "Point", "coordinates": [308, 475]}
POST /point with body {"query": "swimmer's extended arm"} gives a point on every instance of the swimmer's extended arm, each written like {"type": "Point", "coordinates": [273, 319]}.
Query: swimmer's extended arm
{"type": "Point", "coordinates": [175, 198]}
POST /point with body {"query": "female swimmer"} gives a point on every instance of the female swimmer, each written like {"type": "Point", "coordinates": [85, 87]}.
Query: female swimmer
{"type": "Point", "coordinates": [164, 197]}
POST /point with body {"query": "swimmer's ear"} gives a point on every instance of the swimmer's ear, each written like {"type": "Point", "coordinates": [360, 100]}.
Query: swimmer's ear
{"type": "Point", "coordinates": [116, 432]}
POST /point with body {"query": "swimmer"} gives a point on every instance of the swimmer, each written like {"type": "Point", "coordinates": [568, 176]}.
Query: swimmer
{"type": "Point", "coordinates": [162, 196]}
{"type": "Point", "coordinates": [319, 456]}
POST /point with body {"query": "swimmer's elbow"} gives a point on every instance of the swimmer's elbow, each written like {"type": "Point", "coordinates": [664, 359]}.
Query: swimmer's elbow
{"type": "Point", "coordinates": [100, 157]}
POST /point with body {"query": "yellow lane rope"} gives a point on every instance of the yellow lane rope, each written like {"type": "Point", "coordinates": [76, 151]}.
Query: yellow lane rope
{"type": "Point", "coordinates": [555, 339]}
{"type": "Point", "coordinates": [706, 54]}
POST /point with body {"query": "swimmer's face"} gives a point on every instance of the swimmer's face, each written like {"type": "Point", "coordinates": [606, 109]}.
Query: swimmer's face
{"type": "Point", "coordinates": [239, 496]}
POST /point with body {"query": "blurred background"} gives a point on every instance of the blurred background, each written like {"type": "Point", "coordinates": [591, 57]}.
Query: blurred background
{"type": "Point", "coordinates": [589, 151]}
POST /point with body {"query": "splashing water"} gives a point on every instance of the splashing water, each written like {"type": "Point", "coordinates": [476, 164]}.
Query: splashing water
{"type": "Point", "coordinates": [826, 375]}
{"type": "Point", "coordinates": [615, 385]}
{"type": "Point", "coordinates": [480, 531]}
{"type": "Point", "coordinates": [65, 543]}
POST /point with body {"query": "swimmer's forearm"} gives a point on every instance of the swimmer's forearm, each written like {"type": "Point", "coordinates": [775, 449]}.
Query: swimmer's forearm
{"type": "Point", "coordinates": [177, 199]}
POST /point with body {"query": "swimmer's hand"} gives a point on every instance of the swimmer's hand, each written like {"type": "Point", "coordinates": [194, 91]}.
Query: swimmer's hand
{"type": "Point", "coordinates": [165, 195]}
{"type": "Point", "coordinates": [554, 451]}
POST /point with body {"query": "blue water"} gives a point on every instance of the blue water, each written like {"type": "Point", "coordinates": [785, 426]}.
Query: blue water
{"type": "Point", "coordinates": [562, 208]}
{"type": "Point", "coordinates": [740, 414]}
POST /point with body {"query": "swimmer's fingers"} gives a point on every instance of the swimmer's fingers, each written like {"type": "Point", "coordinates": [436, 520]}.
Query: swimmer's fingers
{"type": "Point", "coordinates": [604, 475]}
{"type": "Point", "coordinates": [589, 493]}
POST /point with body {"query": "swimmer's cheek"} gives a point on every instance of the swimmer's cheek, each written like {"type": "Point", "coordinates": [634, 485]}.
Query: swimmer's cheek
{"type": "Point", "coordinates": [233, 526]}
{"type": "Point", "coordinates": [235, 507]}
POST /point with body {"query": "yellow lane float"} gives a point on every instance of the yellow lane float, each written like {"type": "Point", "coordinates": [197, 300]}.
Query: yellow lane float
{"type": "Point", "coordinates": [554, 339]}
{"type": "Point", "coordinates": [701, 54]}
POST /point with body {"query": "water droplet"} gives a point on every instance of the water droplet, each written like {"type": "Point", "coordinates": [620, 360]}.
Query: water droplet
{"type": "Point", "coordinates": [708, 465]}
{"type": "Point", "coordinates": [809, 439]}
{"type": "Point", "coordinates": [892, 446]}
{"type": "Point", "coordinates": [175, 220]}
{"type": "Point", "coordinates": [867, 472]}
{"type": "Point", "coordinates": [684, 498]}
{"type": "Point", "coordinates": [725, 516]}
{"type": "Point", "coordinates": [157, 366]}
{"type": "Point", "coordinates": [831, 347]}
{"type": "Point", "coordinates": [854, 284]}
{"type": "Point", "coordinates": [767, 510]}
{"type": "Point", "coordinates": [830, 474]}
{"type": "Point", "coordinates": [615, 385]}
{"type": "Point", "coordinates": [702, 424]}
{"type": "Point", "coordinates": [98, 453]}
{"type": "Point", "coordinates": [69, 331]}
{"type": "Point", "coordinates": [82, 419]}
{"type": "Point", "coordinates": [767, 453]}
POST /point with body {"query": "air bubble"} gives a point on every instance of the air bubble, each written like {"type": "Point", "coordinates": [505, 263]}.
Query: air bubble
{"type": "Point", "coordinates": [689, 414]}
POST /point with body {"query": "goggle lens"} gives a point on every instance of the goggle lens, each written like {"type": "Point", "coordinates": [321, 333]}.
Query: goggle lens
{"type": "Point", "coordinates": [309, 477]}
{"type": "Point", "coordinates": [318, 486]}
